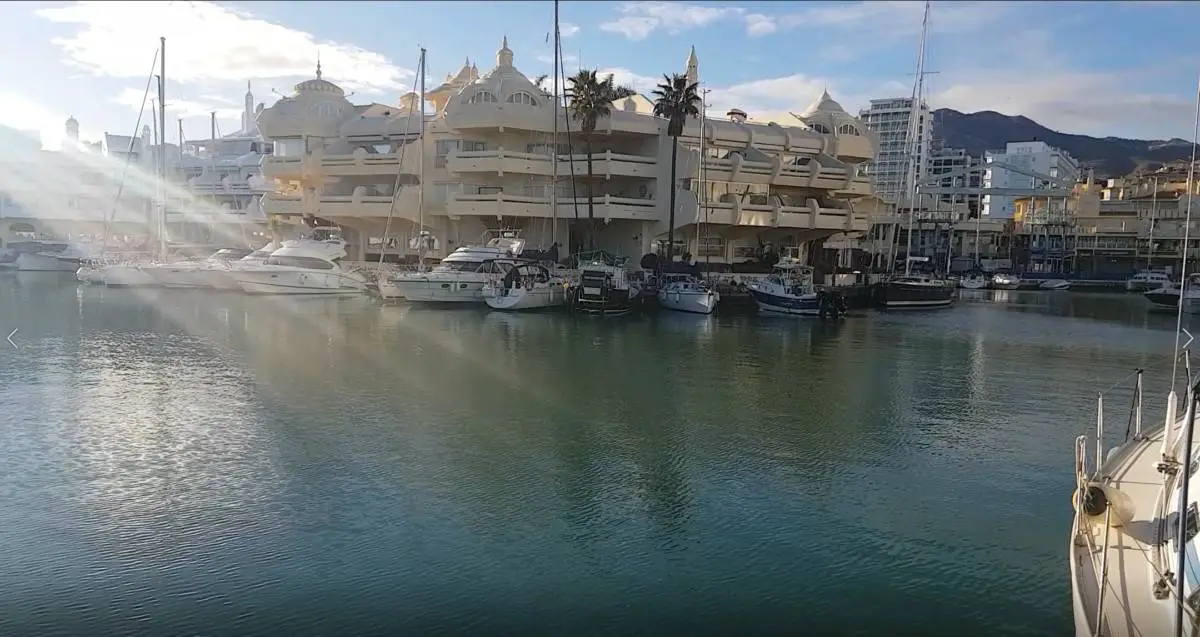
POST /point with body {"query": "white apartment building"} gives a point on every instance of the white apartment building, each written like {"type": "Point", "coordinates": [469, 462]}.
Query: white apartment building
{"type": "Point", "coordinates": [489, 152]}
{"type": "Point", "coordinates": [890, 119]}
{"type": "Point", "coordinates": [1032, 156]}
{"type": "Point", "coordinates": [964, 174]}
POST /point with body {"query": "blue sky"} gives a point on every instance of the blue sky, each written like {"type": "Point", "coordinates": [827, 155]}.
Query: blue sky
{"type": "Point", "coordinates": [1099, 68]}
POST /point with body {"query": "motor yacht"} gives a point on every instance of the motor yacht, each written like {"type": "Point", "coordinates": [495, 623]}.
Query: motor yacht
{"type": "Point", "coordinates": [458, 278]}
{"type": "Point", "coordinates": [301, 266]}
{"type": "Point", "coordinates": [195, 274]}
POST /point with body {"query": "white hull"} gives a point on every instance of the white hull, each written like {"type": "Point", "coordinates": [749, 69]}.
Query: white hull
{"type": "Point", "coordinates": [220, 278]}
{"type": "Point", "coordinates": [694, 302]}
{"type": "Point", "coordinates": [182, 275]}
{"type": "Point", "coordinates": [389, 291]}
{"type": "Point", "coordinates": [127, 276]}
{"type": "Point", "coordinates": [972, 284]}
{"type": "Point", "coordinates": [43, 263]}
{"type": "Point", "coordinates": [425, 290]}
{"type": "Point", "coordinates": [526, 299]}
{"type": "Point", "coordinates": [299, 282]}
{"type": "Point", "coordinates": [90, 275]}
{"type": "Point", "coordinates": [1055, 284]}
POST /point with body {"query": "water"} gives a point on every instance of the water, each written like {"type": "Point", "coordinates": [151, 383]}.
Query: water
{"type": "Point", "coordinates": [194, 463]}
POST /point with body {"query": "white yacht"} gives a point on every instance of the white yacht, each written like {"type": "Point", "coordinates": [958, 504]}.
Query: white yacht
{"type": "Point", "coordinates": [974, 281]}
{"type": "Point", "coordinates": [128, 274]}
{"type": "Point", "coordinates": [458, 278]}
{"type": "Point", "coordinates": [1147, 280]}
{"type": "Point", "coordinates": [686, 293]}
{"type": "Point", "coordinates": [301, 266]}
{"type": "Point", "coordinates": [1006, 281]}
{"type": "Point", "coordinates": [526, 286]}
{"type": "Point", "coordinates": [219, 275]}
{"type": "Point", "coordinates": [194, 274]}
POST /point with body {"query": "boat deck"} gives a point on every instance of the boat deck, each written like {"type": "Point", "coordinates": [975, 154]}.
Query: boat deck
{"type": "Point", "coordinates": [1135, 559]}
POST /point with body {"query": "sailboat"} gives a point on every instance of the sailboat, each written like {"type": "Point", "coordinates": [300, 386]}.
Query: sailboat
{"type": "Point", "coordinates": [385, 284]}
{"type": "Point", "coordinates": [1133, 550]}
{"type": "Point", "coordinates": [920, 287]}
{"type": "Point", "coordinates": [684, 292]}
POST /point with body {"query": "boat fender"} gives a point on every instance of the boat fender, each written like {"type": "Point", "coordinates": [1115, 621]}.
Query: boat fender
{"type": "Point", "coordinates": [1100, 502]}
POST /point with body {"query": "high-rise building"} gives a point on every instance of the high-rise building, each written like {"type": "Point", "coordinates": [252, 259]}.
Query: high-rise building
{"type": "Point", "coordinates": [1032, 156]}
{"type": "Point", "coordinates": [890, 120]}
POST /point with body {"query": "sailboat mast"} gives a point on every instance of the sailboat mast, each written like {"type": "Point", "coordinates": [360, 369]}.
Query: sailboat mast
{"type": "Point", "coordinates": [701, 204]}
{"type": "Point", "coordinates": [162, 147]}
{"type": "Point", "coordinates": [915, 126]}
{"type": "Point", "coordinates": [554, 140]}
{"type": "Point", "coordinates": [421, 172]}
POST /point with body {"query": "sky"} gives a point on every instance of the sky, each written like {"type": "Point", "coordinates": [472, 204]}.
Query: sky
{"type": "Point", "coordinates": [1096, 68]}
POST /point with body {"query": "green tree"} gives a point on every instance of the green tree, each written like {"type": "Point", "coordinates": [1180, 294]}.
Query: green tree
{"type": "Point", "coordinates": [676, 100]}
{"type": "Point", "coordinates": [591, 98]}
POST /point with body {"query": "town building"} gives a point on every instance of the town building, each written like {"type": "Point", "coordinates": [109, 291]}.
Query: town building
{"type": "Point", "coordinates": [485, 155]}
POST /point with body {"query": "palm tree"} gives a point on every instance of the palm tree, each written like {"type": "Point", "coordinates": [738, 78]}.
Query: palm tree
{"type": "Point", "coordinates": [590, 99]}
{"type": "Point", "coordinates": [676, 100]}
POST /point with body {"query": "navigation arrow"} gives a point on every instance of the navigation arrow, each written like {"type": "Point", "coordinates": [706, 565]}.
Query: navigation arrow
{"type": "Point", "coordinates": [9, 338]}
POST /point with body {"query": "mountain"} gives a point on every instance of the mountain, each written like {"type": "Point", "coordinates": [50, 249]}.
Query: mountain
{"type": "Point", "coordinates": [1109, 156]}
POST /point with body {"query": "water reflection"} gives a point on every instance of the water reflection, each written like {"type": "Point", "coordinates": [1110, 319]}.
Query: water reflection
{"type": "Point", "coordinates": [414, 470]}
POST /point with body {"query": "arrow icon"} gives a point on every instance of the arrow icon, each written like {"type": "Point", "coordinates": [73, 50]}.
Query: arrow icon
{"type": "Point", "coordinates": [9, 338]}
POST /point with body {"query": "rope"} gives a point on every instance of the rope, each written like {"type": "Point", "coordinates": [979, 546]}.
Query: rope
{"type": "Point", "coordinates": [387, 224]}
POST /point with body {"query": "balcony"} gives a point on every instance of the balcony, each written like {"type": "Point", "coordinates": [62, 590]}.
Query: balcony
{"type": "Point", "coordinates": [775, 172]}
{"type": "Point", "coordinates": [507, 205]}
{"type": "Point", "coordinates": [606, 164]}
{"type": "Point", "coordinates": [358, 163]}
{"type": "Point", "coordinates": [775, 215]}
{"type": "Point", "coordinates": [355, 205]}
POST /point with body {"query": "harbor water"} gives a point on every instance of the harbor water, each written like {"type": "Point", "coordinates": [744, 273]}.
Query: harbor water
{"type": "Point", "coordinates": [214, 464]}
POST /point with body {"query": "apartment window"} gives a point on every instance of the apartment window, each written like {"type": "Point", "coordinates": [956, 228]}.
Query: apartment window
{"type": "Point", "coordinates": [293, 147]}
{"type": "Point", "coordinates": [820, 128]}
{"type": "Point", "coordinates": [521, 97]}
{"type": "Point", "coordinates": [482, 97]}
{"type": "Point", "coordinates": [446, 146]}
{"type": "Point", "coordinates": [847, 129]}
{"type": "Point", "coordinates": [443, 192]}
{"type": "Point", "coordinates": [710, 247]}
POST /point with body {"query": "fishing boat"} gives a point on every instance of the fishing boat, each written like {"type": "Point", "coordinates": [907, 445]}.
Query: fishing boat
{"type": "Point", "coordinates": [606, 287]}
{"type": "Point", "coordinates": [789, 289]}
{"type": "Point", "coordinates": [1134, 554]}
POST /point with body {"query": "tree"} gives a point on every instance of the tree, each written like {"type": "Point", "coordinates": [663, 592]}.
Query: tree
{"type": "Point", "coordinates": [676, 100]}
{"type": "Point", "coordinates": [590, 99]}
{"type": "Point", "coordinates": [540, 84]}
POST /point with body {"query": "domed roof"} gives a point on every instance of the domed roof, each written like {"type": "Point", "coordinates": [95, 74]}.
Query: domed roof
{"type": "Point", "coordinates": [319, 85]}
{"type": "Point", "coordinates": [71, 121]}
{"type": "Point", "coordinates": [823, 104]}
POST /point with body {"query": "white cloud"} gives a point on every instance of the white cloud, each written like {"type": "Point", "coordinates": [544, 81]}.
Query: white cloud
{"type": "Point", "coordinates": [643, 84]}
{"type": "Point", "coordinates": [640, 19]}
{"type": "Point", "coordinates": [181, 108]}
{"type": "Point", "coordinates": [567, 29]}
{"type": "Point", "coordinates": [758, 25]}
{"type": "Point", "coordinates": [860, 28]}
{"type": "Point", "coordinates": [567, 59]}
{"type": "Point", "coordinates": [207, 42]}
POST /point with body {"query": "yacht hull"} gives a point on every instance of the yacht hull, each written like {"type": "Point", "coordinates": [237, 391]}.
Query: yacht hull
{"type": "Point", "coordinates": [1054, 284]}
{"type": "Point", "coordinates": [1161, 300]}
{"type": "Point", "coordinates": [425, 290]}
{"type": "Point", "coordinates": [183, 276]}
{"type": "Point", "coordinates": [299, 283]}
{"type": "Point", "coordinates": [127, 276]}
{"type": "Point", "coordinates": [602, 301]}
{"type": "Point", "coordinates": [690, 301]}
{"type": "Point", "coordinates": [803, 305]}
{"type": "Point", "coordinates": [517, 299]}
{"type": "Point", "coordinates": [899, 295]}
{"type": "Point", "coordinates": [973, 284]}
{"type": "Point", "coordinates": [41, 263]}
